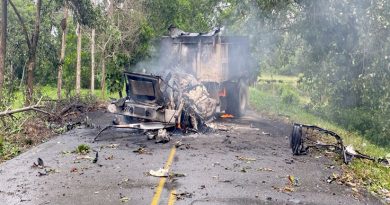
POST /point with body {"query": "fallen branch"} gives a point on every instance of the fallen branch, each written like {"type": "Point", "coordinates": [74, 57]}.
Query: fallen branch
{"type": "Point", "coordinates": [24, 109]}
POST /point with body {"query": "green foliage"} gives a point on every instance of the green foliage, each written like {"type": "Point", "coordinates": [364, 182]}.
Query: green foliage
{"type": "Point", "coordinates": [8, 150]}
{"type": "Point", "coordinates": [83, 149]}
{"type": "Point", "coordinates": [289, 95]}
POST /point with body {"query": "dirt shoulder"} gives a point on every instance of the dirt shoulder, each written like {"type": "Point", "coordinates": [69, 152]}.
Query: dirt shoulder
{"type": "Point", "coordinates": [249, 164]}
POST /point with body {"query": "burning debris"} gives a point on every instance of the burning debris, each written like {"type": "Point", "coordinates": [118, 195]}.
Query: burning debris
{"type": "Point", "coordinates": [173, 100]}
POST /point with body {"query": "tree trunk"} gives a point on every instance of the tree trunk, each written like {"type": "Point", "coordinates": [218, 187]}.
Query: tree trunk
{"type": "Point", "coordinates": [93, 62]}
{"type": "Point", "coordinates": [62, 57]}
{"type": "Point", "coordinates": [93, 58]}
{"type": "Point", "coordinates": [33, 54]}
{"type": "Point", "coordinates": [103, 85]}
{"type": "Point", "coordinates": [78, 66]}
{"type": "Point", "coordinates": [3, 42]}
{"type": "Point", "coordinates": [30, 78]}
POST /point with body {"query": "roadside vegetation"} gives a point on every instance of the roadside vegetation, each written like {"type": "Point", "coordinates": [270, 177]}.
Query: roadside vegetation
{"type": "Point", "coordinates": [21, 131]}
{"type": "Point", "coordinates": [283, 97]}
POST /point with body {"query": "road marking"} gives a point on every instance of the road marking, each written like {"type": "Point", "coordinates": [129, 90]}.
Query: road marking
{"type": "Point", "coordinates": [157, 195]}
{"type": "Point", "coordinates": [172, 197]}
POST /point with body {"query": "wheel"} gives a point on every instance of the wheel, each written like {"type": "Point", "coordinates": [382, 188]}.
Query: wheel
{"type": "Point", "coordinates": [237, 98]}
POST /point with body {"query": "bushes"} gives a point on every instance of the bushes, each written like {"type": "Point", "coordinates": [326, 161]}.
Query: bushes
{"type": "Point", "coordinates": [288, 95]}
{"type": "Point", "coordinates": [367, 122]}
{"type": "Point", "coordinates": [8, 150]}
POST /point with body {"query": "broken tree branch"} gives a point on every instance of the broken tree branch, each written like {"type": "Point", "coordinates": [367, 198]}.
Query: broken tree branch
{"type": "Point", "coordinates": [24, 109]}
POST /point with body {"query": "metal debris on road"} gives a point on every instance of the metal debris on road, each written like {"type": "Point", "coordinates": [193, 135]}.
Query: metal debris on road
{"type": "Point", "coordinates": [142, 150]}
{"type": "Point", "coordinates": [183, 195]}
{"type": "Point", "coordinates": [162, 136]}
{"type": "Point", "coordinates": [316, 137]}
{"type": "Point", "coordinates": [39, 164]}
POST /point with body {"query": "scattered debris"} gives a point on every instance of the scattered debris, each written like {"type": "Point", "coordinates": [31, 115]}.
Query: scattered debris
{"type": "Point", "coordinates": [227, 181]}
{"type": "Point", "coordinates": [142, 150]}
{"type": "Point", "coordinates": [112, 146]}
{"type": "Point", "coordinates": [123, 181]}
{"type": "Point", "coordinates": [176, 175]}
{"type": "Point", "coordinates": [285, 189]}
{"type": "Point", "coordinates": [265, 169]}
{"type": "Point", "coordinates": [39, 164]}
{"type": "Point", "coordinates": [74, 169]}
{"type": "Point", "coordinates": [159, 173]}
{"type": "Point", "coordinates": [183, 195]}
{"type": "Point", "coordinates": [84, 157]}
{"type": "Point", "coordinates": [246, 159]}
{"type": "Point", "coordinates": [162, 136]}
{"type": "Point", "coordinates": [123, 199]}
{"type": "Point", "coordinates": [178, 144]}
{"type": "Point", "coordinates": [220, 127]}
{"type": "Point", "coordinates": [96, 157]}
{"type": "Point", "coordinates": [294, 181]}
{"type": "Point", "coordinates": [111, 157]}
{"type": "Point", "coordinates": [150, 135]}
{"type": "Point", "coordinates": [42, 174]}
{"type": "Point", "coordinates": [266, 133]}
{"type": "Point", "coordinates": [244, 169]}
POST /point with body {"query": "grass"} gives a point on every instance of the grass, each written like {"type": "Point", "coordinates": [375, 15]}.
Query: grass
{"type": "Point", "coordinates": [49, 92]}
{"type": "Point", "coordinates": [270, 100]}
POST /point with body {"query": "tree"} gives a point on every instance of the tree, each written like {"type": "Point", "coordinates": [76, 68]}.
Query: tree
{"type": "Point", "coordinates": [62, 57]}
{"type": "Point", "coordinates": [32, 44]}
{"type": "Point", "coordinates": [78, 61]}
{"type": "Point", "coordinates": [93, 58]}
{"type": "Point", "coordinates": [3, 42]}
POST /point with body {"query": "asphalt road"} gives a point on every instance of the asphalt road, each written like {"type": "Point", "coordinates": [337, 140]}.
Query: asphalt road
{"type": "Point", "coordinates": [249, 164]}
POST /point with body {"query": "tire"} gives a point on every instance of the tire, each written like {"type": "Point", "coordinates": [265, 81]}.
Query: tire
{"type": "Point", "coordinates": [237, 98]}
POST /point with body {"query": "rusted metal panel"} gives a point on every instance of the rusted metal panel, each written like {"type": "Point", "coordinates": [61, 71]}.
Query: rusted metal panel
{"type": "Point", "coordinates": [210, 58]}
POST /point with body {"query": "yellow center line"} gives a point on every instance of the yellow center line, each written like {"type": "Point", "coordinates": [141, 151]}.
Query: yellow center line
{"type": "Point", "coordinates": [172, 197]}
{"type": "Point", "coordinates": [159, 189]}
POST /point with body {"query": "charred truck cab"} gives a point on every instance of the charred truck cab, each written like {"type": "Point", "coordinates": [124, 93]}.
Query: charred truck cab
{"type": "Point", "coordinates": [222, 63]}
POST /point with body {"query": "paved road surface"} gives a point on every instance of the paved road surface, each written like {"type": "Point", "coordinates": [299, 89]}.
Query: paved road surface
{"type": "Point", "coordinates": [213, 165]}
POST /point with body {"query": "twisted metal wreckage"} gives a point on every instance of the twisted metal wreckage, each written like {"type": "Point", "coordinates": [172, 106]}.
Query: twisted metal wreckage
{"type": "Point", "coordinates": [316, 137]}
{"type": "Point", "coordinates": [173, 99]}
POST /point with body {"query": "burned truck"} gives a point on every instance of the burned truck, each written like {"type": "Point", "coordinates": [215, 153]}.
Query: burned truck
{"type": "Point", "coordinates": [200, 75]}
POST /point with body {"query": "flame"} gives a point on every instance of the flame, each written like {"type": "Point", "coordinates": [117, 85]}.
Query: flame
{"type": "Point", "coordinates": [227, 116]}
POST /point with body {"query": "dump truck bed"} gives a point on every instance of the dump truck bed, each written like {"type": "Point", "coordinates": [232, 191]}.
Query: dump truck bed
{"type": "Point", "coordinates": [208, 58]}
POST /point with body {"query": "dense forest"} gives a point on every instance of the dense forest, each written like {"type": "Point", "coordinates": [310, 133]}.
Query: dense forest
{"type": "Point", "coordinates": [340, 49]}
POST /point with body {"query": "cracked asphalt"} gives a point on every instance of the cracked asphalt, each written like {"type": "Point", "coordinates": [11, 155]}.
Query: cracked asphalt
{"type": "Point", "coordinates": [249, 164]}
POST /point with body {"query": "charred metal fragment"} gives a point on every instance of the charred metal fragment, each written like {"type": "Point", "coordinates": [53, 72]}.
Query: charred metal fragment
{"type": "Point", "coordinates": [301, 140]}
